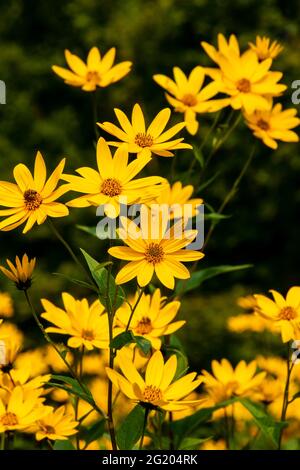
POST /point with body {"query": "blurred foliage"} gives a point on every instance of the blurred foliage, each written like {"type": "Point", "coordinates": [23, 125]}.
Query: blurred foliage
{"type": "Point", "coordinates": [43, 113]}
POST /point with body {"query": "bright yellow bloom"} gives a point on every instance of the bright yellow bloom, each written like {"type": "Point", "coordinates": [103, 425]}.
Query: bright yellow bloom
{"type": "Point", "coordinates": [189, 97]}
{"type": "Point", "coordinates": [145, 141]}
{"type": "Point", "coordinates": [33, 360]}
{"type": "Point", "coordinates": [53, 359]}
{"type": "Point", "coordinates": [33, 198]}
{"type": "Point", "coordinates": [113, 183]}
{"type": "Point", "coordinates": [227, 382]}
{"type": "Point", "coordinates": [274, 124]}
{"type": "Point", "coordinates": [248, 322]}
{"type": "Point", "coordinates": [157, 389]}
{"type": "Point", "coordinates": [153, 248]}
{"type": "Point", "coordinates": [21, 377]}
{"type": "Point", "coordinates": [86, 324]}
{"type": "Point", "coordinates": [152, 317]}
{"type": "Point", "coordinates": [283, 312]}
{"type": "Point", "coordinates": [265, 49]}
{"type": "Point", "coordinates": [57, 425]}
{"type": "Point", "coordinates": [21, 411]}
{"type": "Point", "coordinates": [21, 272]}
{"type": "Point", "coordinates": [96, 72]}
{"type": "Point", "coordinates": [247, 302]}
{"type": "Point", "coordinates": [274, 365]}
{"type": "Point", "coordinates": [6, 306]}
{"type": "Point", "coordinates": [11, 340]}
{"type": "Point", "coordinates": [177, 197]}
{"type": "Point", "coordinates": [225, 47]}
{"type": "Point", "coordinates": [214, 445]}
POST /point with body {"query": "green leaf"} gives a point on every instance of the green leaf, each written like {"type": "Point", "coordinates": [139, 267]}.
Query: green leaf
{"type": "Point", "coordinates": [175, 347]}
{"type": "Point", "coordinates": [89, 230]}
{"type": "Point", "coordinates": [208, 182]}
{"type": "Point", "coordinates": [122, 340]}
{"type": "Point", "coordinates": [192, 443]}
{"type": "Point", "coordinates": [131, 429]}
{"type": "Point", "coordinates": [266, 423]}
{"type": "Point", "coordinates": [94, 432]}
{"type": "Point", "coordinates": [143, 343]}
{"type": "Point", "coordinates": [198, 277]}
{"type": "Point", "coordinates": [216, 217]}
{"type": "Point", "coordinates": [76, 281]}
{"type": "Point", "coordinates": [63, 445]}
{"type": "Point", "coordinates": [199, 156]}
{"type": "Point", "coordinates": [71, 386]}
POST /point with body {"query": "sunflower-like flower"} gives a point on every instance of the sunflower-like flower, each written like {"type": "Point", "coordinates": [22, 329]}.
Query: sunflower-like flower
{"type": "Point", "coordinates": [225, 47]}
{"type": "Point", "coordinates": [96, 72]}
{"type": "Point", "coordinates": [153, 248]}
{"type": "Point", "coordinates": [6, 305]}
{"type": "Point", "coordinates": [87, 325]}
{"type": "Point", "coordinates": [226, 382]}
{"type": "Point", "coordinates": [274, 124]}
{"type": "Point", "coordinates": [145, 141]}
{"type": "Point", "coordinates": [284, 313]}
{"type": "Point", "coordinates": [152, 318]}
{"type": "Point", "coordinates": [113, 183]}
{"type": "Point", "coordinates": [265, 49]}
{"type": "Point", "coordinates": [57, 425]}
{"type": "Point", "coordinates": [21, 411]}
{"type": "Point", "coordinates": [21, 272]}
{"type": "Point", "coordinates": [33, 198]}
{"type": "Point", "coordinates": [158, 388]}
{"type": "Point", "coordinates": [187, 95]}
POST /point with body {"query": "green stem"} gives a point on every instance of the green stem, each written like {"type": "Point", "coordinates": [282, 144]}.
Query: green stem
{"type": "Point", "coordinates": [79, 374]}
{"type": "Point", "coordinates": [135, 307]}
{"type": "Point", "coordinates": [171, 435]}
{"type": "Point", "coordinates": [2, 441]}
{"type": "Point", "coordinates": [285, 404]}
{"type": "Point", "coordinates": [144, 428]}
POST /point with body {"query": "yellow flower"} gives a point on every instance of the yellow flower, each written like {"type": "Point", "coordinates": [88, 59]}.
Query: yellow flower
{"type": "Point", "coordinates": [33, 198]}
{"type": "Point", "coordinates": [177, 197]}
{"type": "Point", "coordinates": [33, 360]}
{"type": "Point", "coordinates": [214, 445]}
{"type": "Point", "coordinates": [248, 82]}
{"type": "Point", "coordinates": [6, 306]}
{"type": "Point", "coordinates": [153, 248]}
{"type": "Point", "coordinates": [247, 302]}
{"type": "Point", "coordinates": [248, 322]}
{"type": "Point", "coordinates": [157, 389]}
{"type": "Point", "coordinates": [53, 359]}
{"type": "Point", "coordinates": [145, 141]}
{"type": "Point", "coordinates": [189, 97]}
{"type": "Point", "coordinates": [86, 324]}
{"type": "Point", "coordinates": [57, 425]}
{"type": "Point", "coordinates": [113, 183]}
{"type": "Point", "coordinates": [225, 47]}
{"type": "Point", "coordinates": [21, 411]}
{"type": "Point", "coordinates": [283, 312]}
{"type": "Point", "coordinates": [152, 317]}
{"type": "Point", "coordinates": [96, 72]}
{"type": "Point", "coordinates": [21, 272]}
{"type": "Point", "coordinates": [265, 49]}
{"type": "Point", "coordinates": [227, 382]}
{"type": "Point", "coordinates": [21, 377]}
{"type": "Point", "coordinates": [274, 124]}
{"type": "Point", "coordinates": [11, 340]}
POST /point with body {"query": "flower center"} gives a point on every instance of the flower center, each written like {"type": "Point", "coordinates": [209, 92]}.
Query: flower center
{"type": "Point", "coordinates": [264, 125]}
{"type": "Point", "coordinates": [152, 394]}
{"type": "Point", "coordinates": [288, 313]}
{"type": "Point", "coordinates": [88, 335]}
{"type": "Point", "coordinates": [243, 85]}
{"type": "Point", "coordinates": [154, 253]}
{"type": "Point", "coordinates": [9, 419]}
{"type": "Point", "coordinates": [143, 140]}
{"type": "Point", "coordinates": [92, 76]}
{"type": "Point", "coordinates": [144, 326]}
{"type": "Point", "coordinates": [47, 429]}
{"type": "Point", "coordinates": [32, 199]}
{"type": "Point", "coordinates": [189, 99]}
{"type": "Point", "coordinates": [111, 187]}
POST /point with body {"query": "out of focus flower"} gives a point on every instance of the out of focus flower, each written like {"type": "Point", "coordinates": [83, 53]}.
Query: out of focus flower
{"type": "Point", "coordinates": [249, 322]}
{"type": "Point", "coordinates": [274, 124]}
{"type": "Point", "coordinates": [177, 197]}
{"type": "Point", "coordinates": [283, 312]}
{"type": "Point", "coordinates": [113, 183]}
{"type": "Point", "coordinates": [97, 72]}
{"type": "Point", "coordinates": [6, 305]}
{"type": "Point", "coordinates": [152, 318]}
{"type": "Point", "coordinates": [145, 141]}
{"type": "Point", "coordinates": [57, 425]}
{"type": "Point", "coordinates": [87, 325]}
{"type": "Point", "coordinates": [20, 272]}
{"type": "Point", "coordinates": [33, 360]}
{"type": "Point", "coordinates": [214, 445]}
{"type": "Point", "coordinates": [21, 377]}
{"type": "Point", "coordinates": [225, 48]}
{"type": "Point", "coordinates": [33, 198]}
{"type": "Point", "coordinates": [187, 95]}
{"type": "Point", "coordinates": [247, 302]}
{"type": "Point", "coordinates": [265, 49]}
{"type": "Point", "coordinates": [11, 341]}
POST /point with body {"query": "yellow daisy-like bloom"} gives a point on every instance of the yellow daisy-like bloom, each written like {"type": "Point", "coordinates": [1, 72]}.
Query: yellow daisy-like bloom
{"type": "Point", "coordinates": [152, 318]}
{"type": "Point", "coordinates": [227, 382]}
{"type": "Point", "coordinates": [248, 322]}
{"type": "Point", "coordinates": [248, 82]}
{"type": "Point", "coordinates": [157, 389]}
{"type": "Point", "coordinates": [189, 97]}
{"type": "Point", "coordinates": [113, 183]}
{"type": "Point", "coordinates": [224, 47]}
{"type": "Point", "coordinates": [6, 305]}
{"type": "Point", "coordinates": [21, 377]}
{"type": "Point", "coordinates": [177, 197]}
{"type": "Point", "coordinates": [153, 248]}
{"type": "Point", "coordinates": [265, 49]}
{"type": "Point", "coordinates": [57, 425]}
{"type": "Point", "coordinates": [247, 302]}
{"type": "Point", "coordinates": [96, 72]}
{"type": "Point", "coordinates": [274, 124]}
{"type": "Point", "coordinates": [86, 324]}
{"type": "Point", "coordinates": [283, 312]}
{"type": "Point", "coordinates": [33, 198]}
{"type": "Point", "coordinates": [145, 141]}
{"type": "Point", "coordinates": [21, 272]}
{"type": "Point", "coordinates": [21, 411]}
